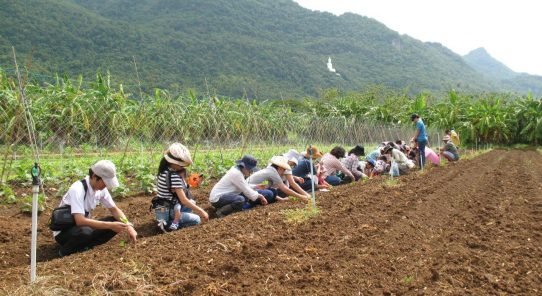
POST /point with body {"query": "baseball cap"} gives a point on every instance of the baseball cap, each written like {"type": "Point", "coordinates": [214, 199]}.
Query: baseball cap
{"type": "Point", "coordinates": [248, 162]}
{"type": "Point", "coordinates": [106, 170]}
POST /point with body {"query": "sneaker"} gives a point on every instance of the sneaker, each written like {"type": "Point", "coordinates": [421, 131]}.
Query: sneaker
{"type": "Point", "coordinates": [173, 226]}
{"type": "Point", "coordinates": [162, 225]}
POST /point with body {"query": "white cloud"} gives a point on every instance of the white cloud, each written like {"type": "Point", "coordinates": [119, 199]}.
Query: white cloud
{"type": "Point", "coordinates": [509, 30]}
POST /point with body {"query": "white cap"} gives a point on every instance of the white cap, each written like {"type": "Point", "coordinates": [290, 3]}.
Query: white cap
{"type": "Point", "coordinates": [292, 153]}
{"type": "Point", "coordinates": [106, 170]}
{"type": "Point", "coordinates": [178, 154]}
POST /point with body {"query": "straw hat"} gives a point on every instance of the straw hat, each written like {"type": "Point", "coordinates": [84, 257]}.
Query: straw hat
{"type": "Point", "coordinates": [178, 154]}
{"type": "Point", "coordinates": [281, 161]}
{"type": "Point", "coordinates": [315, 153]}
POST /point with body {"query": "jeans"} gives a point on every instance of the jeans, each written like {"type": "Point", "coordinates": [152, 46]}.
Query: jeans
{"type": "Point", "coordinates": [270, 195]}
{"type": "Point", "coordinates": [421, 151]}
{"type": "Point", "coordinates": [333, 180]}
{"type": "Point", "coordinates": [81, 238]}
{"type": "Point", "coordinates": [228, 203]}
{"type": "Point", "coordinates": [307, 185]}
{"type": "Point", "coordinates": [167, 215]}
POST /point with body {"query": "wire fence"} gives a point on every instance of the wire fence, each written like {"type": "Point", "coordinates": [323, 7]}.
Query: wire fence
{"type": "Point", "coordinates": [73, 122]}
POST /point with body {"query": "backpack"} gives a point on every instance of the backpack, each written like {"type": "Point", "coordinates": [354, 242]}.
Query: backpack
{"type": "Point", "coordinates": [157, 202]}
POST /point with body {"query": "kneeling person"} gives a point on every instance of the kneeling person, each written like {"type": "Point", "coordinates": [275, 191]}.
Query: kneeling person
{"type": "Point", "coordinates": [273, 176]}
{"type": "Point", "coordinates": [449, 151]}
{"type": "Point", "coordinates": [173, 206]}
{"type": "Point", "coordinates": [228, 195]}
{"type": "Point", "coordinates": [82, 197]}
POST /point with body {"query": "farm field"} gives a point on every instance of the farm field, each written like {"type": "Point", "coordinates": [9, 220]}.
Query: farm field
{"type": "Point", "coordinates": [468, 228]}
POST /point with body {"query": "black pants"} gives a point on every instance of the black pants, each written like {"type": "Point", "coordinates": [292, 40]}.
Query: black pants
{"type": "Point", "coordinates": [81, 238]}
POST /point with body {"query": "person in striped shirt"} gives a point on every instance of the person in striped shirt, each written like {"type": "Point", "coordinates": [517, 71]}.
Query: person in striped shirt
{"type": "Point", "coordinates": [173, 200]}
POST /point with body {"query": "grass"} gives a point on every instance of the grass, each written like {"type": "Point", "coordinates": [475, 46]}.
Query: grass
{"type": "Point", "coordinates": [391, 182]}
{"type": "Point", "coordinates": [298, 216]}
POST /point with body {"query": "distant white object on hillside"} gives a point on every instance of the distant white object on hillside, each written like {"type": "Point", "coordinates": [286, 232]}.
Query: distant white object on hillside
{"type": "Point", "coordinates": [330, 65]}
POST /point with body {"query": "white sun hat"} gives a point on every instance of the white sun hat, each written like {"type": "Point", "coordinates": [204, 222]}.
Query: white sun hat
{"type": "Point", "coordinates": [178, 154]}
{"type": "Point", "coordinates": [281, 161]}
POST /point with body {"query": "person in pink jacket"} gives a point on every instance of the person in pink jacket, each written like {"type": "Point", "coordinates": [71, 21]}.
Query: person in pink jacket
{"type": "Point", "coordinates": [431, 156]}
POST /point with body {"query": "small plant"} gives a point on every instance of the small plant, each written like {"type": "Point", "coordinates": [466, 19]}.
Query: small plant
{"type": "Point", "coordinates": [6, 195]}
{"type": "Point", "coordinates": [25, 203]}
{"type": "Point", "coordinates": [297, 216]}
{"type": "Point", "coordinates": [391, 182]}
{"type": "Point", "coordinates": [408, 279]}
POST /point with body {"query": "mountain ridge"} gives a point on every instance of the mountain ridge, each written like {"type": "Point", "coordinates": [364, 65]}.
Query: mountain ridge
{"type": "Point", "coordinates": [253, 48]}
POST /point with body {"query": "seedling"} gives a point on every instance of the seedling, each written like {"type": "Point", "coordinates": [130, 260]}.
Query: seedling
{"type": "Point", "coordinates": [298, 216]}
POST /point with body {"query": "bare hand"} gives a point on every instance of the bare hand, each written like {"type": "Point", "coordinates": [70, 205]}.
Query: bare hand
{"type": "Point", "coordinates": [263, 201]}
{"type": "Point", "coordinates": [261, 186]}
{"type": "Point", "coordinates": [204, 216]}
{"type": "Point", "coordinates": [119, 227]}
{"type": "Point", "coordinates": [132, 233]}
{"type": "Point", "coordinates": [299, 180]}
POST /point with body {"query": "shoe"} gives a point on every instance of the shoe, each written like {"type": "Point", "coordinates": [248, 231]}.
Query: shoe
{"type": "Point", "coordinates": [61, 254]}
{"type": "Point", "coordinates": [162, 225]}
{"type": "Point", "coordinates": [174, 226]}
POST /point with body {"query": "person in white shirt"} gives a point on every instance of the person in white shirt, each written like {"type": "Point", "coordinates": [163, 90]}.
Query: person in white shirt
{"type": "Point", "coordinates": [229, 194]}
{"type": "Point", "coordinates": [82, 197]}
{"type": "Point", "coordinates": [400, 158]}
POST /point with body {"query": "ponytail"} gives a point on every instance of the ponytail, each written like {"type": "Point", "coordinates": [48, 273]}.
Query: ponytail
{"type": "Point", "coordinates": [164, 165]}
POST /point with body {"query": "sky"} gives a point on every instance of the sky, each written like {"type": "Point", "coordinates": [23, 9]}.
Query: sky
{"type": "Point", "coordinates": [510, 30]}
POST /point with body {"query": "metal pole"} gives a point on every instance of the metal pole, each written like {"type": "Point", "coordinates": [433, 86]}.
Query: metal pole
{"type": "Point", "coordinates": [35, 172]}
{"type": "Point", "coordinates": [312, 180]}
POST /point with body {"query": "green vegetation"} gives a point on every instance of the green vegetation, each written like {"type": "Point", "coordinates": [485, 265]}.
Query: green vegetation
{"type": "Point", "coordinates": [246, 48]}
{"type": "Point", "coordinates": [297, 216]}
{"type": "Point", "coordinates": [100, 121]}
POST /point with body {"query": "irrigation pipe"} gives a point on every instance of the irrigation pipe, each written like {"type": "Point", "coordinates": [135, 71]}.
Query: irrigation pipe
{"type": "Point", "coordinates": [35, 172]}
{"type": "Point", "coordinates": [312, 180]}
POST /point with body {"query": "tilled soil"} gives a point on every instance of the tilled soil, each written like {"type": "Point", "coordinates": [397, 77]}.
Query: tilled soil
{"type": "Point", "coordinates": [472, 227]}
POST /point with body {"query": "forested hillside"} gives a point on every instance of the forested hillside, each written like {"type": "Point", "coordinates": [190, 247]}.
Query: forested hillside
{"type": "Point", "coordinates": [257, 48]}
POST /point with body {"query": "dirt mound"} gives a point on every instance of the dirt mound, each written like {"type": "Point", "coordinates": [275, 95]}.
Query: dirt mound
{"type": "Point", "coordinates": [472, 227]}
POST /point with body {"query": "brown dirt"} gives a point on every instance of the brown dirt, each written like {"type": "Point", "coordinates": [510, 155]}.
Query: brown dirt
{"type": "Point", "coordinates": [472, 227]}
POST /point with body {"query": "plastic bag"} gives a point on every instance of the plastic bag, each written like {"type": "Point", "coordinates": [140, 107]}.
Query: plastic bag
{"type": "Point", "coordinates": [394, 169]}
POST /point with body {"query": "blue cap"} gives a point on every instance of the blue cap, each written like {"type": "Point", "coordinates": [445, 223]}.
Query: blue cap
{"type": "Point", "coordinates": [248, 162]}
{"type": "Point", "coordinates": [371, 162]}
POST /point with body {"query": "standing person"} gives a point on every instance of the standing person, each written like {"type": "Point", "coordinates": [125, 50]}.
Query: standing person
{"type": "Point", "coordinates": [229, 194]}
{"type": "Point", "coordinates": [351, 162]}
{"type": "Point", "coordinates": [331, 165]}
{"type": "Point", "coordinates": [273, 176]}
{"type": "Point", "coordinates": [172, 207]}
{"type": "Point", "coordinates": [420, 138]}
{"type": "Point", "coordinates": [449, 150]}
{"type": "Point", "coordinates": [82, 198]}
{"type": "Point", "coordinates": [303, 170]}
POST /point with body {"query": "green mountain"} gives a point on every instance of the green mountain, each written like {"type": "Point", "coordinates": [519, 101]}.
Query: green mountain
{"type": "Point", "coordinates": [508, 80]}
{"type": "Point", "coordinates": [480, 60]}
{"type": "Point", "coordinates": [257, 48]}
